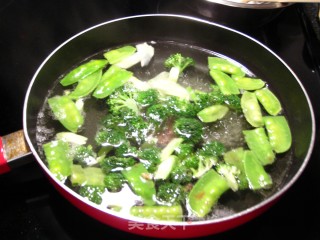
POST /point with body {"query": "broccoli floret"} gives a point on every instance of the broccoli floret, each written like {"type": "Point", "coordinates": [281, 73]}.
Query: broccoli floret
{"type": "Point", "coordinates": [111, 137]}
{"type": "Point", "coordinates": [181, 175]}
{"type": "Point", "coordinates": [157, 114]}
{"type": "Point", "coordinates": [84, 155]}
{"type": "Point", "coordinates": [147, 97]}
{"type": "Point", "coordinates": [150, 157]}
{"type": "Point", "coordinates": [126, 150]}
{"type": "Point", "coordinates": [202, 99]}
{"type": "Point", "coordinates": [191, 162]}
{"type": "Point", "coordinates": [213, 148]}
{"type": "Point", "coordinates": [136, 129]}
{"type": "Point", "coordinates": [190, 129]}
{"type": "Point", "coordinates": [114, 181]}
{"type": "Point", "coordinates": [114, 163]}
{"type": "Point", "coordinates": [233, 101]}
{"type": "Point", "coordinates": [181, 107]}
{"type": "Point", "coordinates": [177, 64]}
{"type": "Point", "coordinates": [92, 193]}
{"type": "Point", "coordinates": [184, 150]}
{"type": "Point", "coordinates": [123, 98]}
{"type": "Point", "coordinates": [208, 156]}
{"type": "Point", "coordinates": [170, 193]}
{"type": "Point", "coordinates": [231, 174]}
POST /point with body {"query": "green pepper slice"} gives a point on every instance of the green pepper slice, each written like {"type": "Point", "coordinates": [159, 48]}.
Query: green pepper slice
{"type": "Point", "coordinates": [269, 101]}
{"type": "Point", "coordinates": [258, 143]}
{"type": "Point", "coordinates": [86, 85]}
{"type": "Point", "coordinates": [206, 192]}
{"type": "Point", "coordinates": [57, 156]}
{"type": "Point", "coordinates": [257, 177]}
{"type": "Point", "coordinates": [226, 84]}
{"type": "Point", "coordinates": [212, 113]}
{"type": "Point", "coordinates": [140, 184]}
{"type": "Point", "coordinates": [113, 78]}
{"type": "Point", "coordinates": [251, 109]}
{"type": "Point", "coordinates": [65, 110]}
{"type": "Point", "coordinates": [82, 71]}
{"type": "Point", "coordinates": [116, 55]}
{"type": "Point", "coordinates": [279, 133]}
{"type": "Point", "coordinates": [165, 213]}
{"type": "Point", "coordinates": [224, 65]}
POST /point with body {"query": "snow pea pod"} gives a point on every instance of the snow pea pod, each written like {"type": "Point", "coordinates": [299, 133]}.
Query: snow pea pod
{"type": "Point", "coordinates": [113, 78]}
{"type": "Point", "coordinates": [251, 109]}
{"type": "Point", "coordinates": [66, 111]}
{"type": "Point", "coordinates": [140, 184]}
{"type": "Point", "coordinates": [206, 192]}
{"type": "Point", "coordinates": [235, 157]}
{"type": "Point", "coordinates": [279, 133]}
{"type": "Point", "coordinates": [257, 177]}
{"type": "Point", "coordinates": [224, 65]}
{"type": "Point", "coordinates": [269, 101]}
{"type": "Point", "coordinates": [166, 213]}
{"type": "Point", "coordinates": [258, 143]}
{"type": "Point", "coordinates": [247, 83]}
{"type": "Point", "coordinates": [226, 84]}
{"type": "Point", "coordinates": [116, 55]}
{"type": "Point", "coordinates": [82, 71]}
{"type": "Point", "coordinates": [86, 85]}
{"type": "Point", "coordinates": [212, 113]}
{"type": "Point", "coordinates": [58, 159]}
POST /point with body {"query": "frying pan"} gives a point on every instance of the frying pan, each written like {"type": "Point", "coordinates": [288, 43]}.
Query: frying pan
{"type": "Point", "coordinates": [193, 35]}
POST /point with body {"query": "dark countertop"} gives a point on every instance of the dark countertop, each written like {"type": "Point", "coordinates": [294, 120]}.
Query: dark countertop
{"type": "Point", "coordinates": [30, 208]}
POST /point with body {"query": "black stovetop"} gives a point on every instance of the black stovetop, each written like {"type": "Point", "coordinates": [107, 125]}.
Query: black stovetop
{"type": "Point", "coordinates": [30, 208]}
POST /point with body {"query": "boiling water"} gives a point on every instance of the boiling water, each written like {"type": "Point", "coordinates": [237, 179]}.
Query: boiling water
{"type": "Point", "coordinates": [228, 130]}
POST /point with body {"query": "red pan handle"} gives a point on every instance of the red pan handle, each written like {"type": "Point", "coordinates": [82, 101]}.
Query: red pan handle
{"type": "Point", "coordinates": [12, 147]}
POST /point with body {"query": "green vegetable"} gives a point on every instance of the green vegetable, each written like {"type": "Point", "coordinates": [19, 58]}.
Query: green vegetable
{"type": "Point", "coordinates": [113, 78]}
{"type": "Point", "coordinates": [66, 111]}
{"type": "Point", "coordinates": [206, 193]}
{"type": "Point", "coordinates": [147, 97]}
{"type": "Point", "coordinates": [72, 138]}
{"type": "Point", "coordinates": [86, 85]}
{"type": "Point", "coordinates": [116, 55]}
{"type": "Point", "coordinates": [170, 193]}
{"type": "Point", "coordinates": [92, 193]}
{"type": "Point", "coordinates": [189, 129]}
{"type": "Point", "coordinates": [92, 176]}
{"type": "Point", "coordinates": [251, 109]}
{"type": "Point", "coordinates": [226, 84]}
{"type": "Point", "coordinates": [84, 155]}
{"type": "Point", "coordinates": [181, 174]}
{"type": "Point", "coordinates": [248, 83]}
{"type": "Point", "coordinates": [165, 213]}
{"type": "Point", "coordinates": [279, 133]}
{"type": "Point", "coordinates": [58, 158]}
{"type": "Point", "coordinates": [114, 181]}
{"type": "Point", "coordinates": [150, 157]}
{"type": "Point", "coordinates": [165, 167]}
{"type": "Point", "coordinates": [115, 163]}
{"type": "Point", "coordinates": [230, 173]}
{"type": "Point", "coordinates": [224, 65]}
{"type": "Point", "coordinates": [140, 182]}
{"type": "Point", "coordinates": [177, 64]}
{"type": "Point", "coordinates": [180, 107]}
{"type": "Point", "coordinates": [269, 101]}
{"type": "Point", "coordinates": [257, 177]}
{"type": "Point", "coordinates": [83, 71]}
{"type": "Point", "coordinates": [122, 98]}
{"type": "Point", "coordinates": [235, 157]}
{"type": "Point", "coordinates": [258, 143]}
{"type": "Point", "coordinates": [213, 113]}
{"type": "Point", "coordinates": [111, 137]}
{"type": "Point", "coordinates": [168, 150]}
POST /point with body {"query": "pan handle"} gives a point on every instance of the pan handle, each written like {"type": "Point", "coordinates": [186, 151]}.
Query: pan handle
{"type": "Point", "coordinates": [13, 147]}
